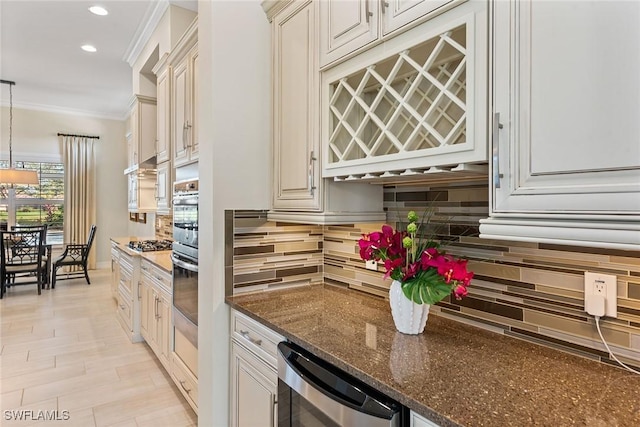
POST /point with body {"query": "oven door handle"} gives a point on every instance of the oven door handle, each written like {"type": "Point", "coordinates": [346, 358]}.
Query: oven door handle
{"type": "Point", "coordinates": [185, 265]}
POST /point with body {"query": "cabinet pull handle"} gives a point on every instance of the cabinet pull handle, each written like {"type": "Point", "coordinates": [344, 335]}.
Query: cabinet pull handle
{"type": "Point", "coordinates": [246, 335]}
{"type": "Point", "coordinates": [496, 150]}
{"type": "Point", "coordinates": [122, 306]}
{"type": "Point", "coordinates": [367, 13]}
{"type": "Point", "coordinates": [312, 158]}
{"type": "Point", "coordinates": [384, 5]}
{"type": "Point", "coordinates": [187, 390]}
{"type": "Point", "coordinates": [155, 308]}
{"type": "Point", "coordinates": [274, 410]}
{"type": "Point", "coordinates": [185, 128]}
{"type": "Point", "coordinates": [139, 294]}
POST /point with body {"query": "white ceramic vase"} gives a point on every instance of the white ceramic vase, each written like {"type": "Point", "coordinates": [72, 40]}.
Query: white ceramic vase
{"type": "Point", "coordinates": [409, 317]}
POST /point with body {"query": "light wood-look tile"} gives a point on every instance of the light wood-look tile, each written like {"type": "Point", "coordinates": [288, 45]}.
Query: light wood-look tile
{"type": "Point", "coordinates": [65, 351]}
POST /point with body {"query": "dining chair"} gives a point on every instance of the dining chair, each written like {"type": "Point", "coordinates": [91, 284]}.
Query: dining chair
{"type": "Point", "coordinates": [21, 258]}
{"type": "Point", "coordinates": [46, 250]}
{"type": "Point", "coordinates": [44, 227]}
{"type": "Point", "coordinates": [74, 255]}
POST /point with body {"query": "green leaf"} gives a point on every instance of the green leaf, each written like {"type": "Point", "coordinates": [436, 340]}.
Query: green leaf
{"type": "Point", "coordinates": [427, 287]}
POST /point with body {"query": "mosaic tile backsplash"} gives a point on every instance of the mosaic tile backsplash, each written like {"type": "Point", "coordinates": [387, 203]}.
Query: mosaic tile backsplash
{"type": "Point", "coordinates": [526, 290]}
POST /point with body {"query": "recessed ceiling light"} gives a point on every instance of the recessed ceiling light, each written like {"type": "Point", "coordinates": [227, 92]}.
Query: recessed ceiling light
{"type": "Point", "coordinates": [89, 48]}
{"type": "Point", "coordinates": [98, 10]}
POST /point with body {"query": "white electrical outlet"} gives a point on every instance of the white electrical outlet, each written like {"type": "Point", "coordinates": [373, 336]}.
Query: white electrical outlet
{"type": "Point", "coordinates": [604, 285]}
{"type": "Point", "coordinates": [371, 265]}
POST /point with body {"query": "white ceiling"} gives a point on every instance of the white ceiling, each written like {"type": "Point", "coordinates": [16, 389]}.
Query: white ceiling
{"type": "Point", "coordinates": [40, 50]}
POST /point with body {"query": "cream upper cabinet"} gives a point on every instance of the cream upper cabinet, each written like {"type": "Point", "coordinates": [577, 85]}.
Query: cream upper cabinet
{"type": "Point", "coordinates": [194, 143]}
{"type": "Point", "coordinates": [299, 193]}
{"type": "Point", "coordinates": [183, 60]}
{"type": "Point", "coordinates": [180, 113]}
{"type": "Point", "coordinates": [346, 26]}
{"type": "Point", "coordinates": [397, 13]}
{"type": "Point", "coordinates": [566, 134]}
{"type": "Point", "coordinates": [413, 105]}
{"type": "Point", "coordinates": [295, 91]}
{"type": "Point", "coordinates": [349, 26]}
{"type": "Point", "coordinates": [164, 180]}
{"type": "Point", "coordinates": [163, 143]}
{"type": "Point", "coordinates": [143, 118]}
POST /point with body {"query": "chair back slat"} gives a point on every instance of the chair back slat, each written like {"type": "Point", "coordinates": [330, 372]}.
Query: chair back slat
{"type": "Point", "coordinates": [21, 248]}
{"type": "Point", "coordinates": [44, 227]}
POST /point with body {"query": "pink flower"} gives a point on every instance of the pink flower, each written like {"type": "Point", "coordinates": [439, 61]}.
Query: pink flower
{"type": "Point", "coordinates": [419, 266]}
{"type": "Point", "coordinates": [391, 265]}
{"type": "Point", "coordinates": [460, 291]}
{"type": "Point", "coordinates": [411, 271]}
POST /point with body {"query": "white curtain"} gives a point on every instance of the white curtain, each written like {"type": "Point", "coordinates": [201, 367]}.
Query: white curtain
{"type": "Point", "coordinates": [79, 158]}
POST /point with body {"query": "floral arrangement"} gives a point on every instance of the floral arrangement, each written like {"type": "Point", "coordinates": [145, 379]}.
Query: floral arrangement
{"type": "Point", "coordinates": [426, 273]}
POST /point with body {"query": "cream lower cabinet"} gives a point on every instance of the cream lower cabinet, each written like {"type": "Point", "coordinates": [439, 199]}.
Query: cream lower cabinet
{"type": "Point", "coordinates": [115, 269]}
{"type": "Point", "coordinates": [254, 390]}
{"type": "Point", "coordinates": [184, 378]}
{"type": "Point", "coordinates": [128, 298]}
{"type": "Point", "coordinates": [420, 421]}
{"type": "Point", "coordinates": [565, 105]}
{"type": "Point", "coordinates": [155, 310]}
{"type": "Point", "coordinates": [254, 378]}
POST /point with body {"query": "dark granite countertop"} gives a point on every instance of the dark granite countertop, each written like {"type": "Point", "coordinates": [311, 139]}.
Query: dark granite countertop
{"type": "Point", "coordinates": [453, 373]}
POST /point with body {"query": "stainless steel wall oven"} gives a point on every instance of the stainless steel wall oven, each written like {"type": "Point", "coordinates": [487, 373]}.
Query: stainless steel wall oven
{"type": "Point", "coordinates": [185, 271]}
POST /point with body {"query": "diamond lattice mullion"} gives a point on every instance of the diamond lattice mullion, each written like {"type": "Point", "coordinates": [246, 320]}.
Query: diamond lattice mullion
{"type": "Point", "coordinates": [451, 96]}
{"type": "Point", "coordinates": [436, 107]}
{"type": "Point", "coordinates": [401, 113]}
{"type": "Point", "coordinates": [336, 131]}
{"type": "Point", "coordinates": [457, 128]}
{"type": "Point", "coordinates": [447, 37]}
{"type": "Point", "coordinates": [354, 139]}
{"type": "Point", "coordinates": [342, 121]}
{"type": "Point", "coordinates": [374, 118]}
{"type": "Point", "coordinates": [386, 84]}
{"type": "Point", "coordinates": [404, 100]}
{"type": "Point", "coordinates": [441, 87]}
{"type": "Point", "coordinates": [357, 95]}
{"type": "Point", "coordinates": [384, 88]}
{"type": "Point", "coordinates": [453, 134]}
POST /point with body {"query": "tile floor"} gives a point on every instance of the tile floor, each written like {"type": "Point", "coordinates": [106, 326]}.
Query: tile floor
{"type": "Point", "coordinates": [63, 355]}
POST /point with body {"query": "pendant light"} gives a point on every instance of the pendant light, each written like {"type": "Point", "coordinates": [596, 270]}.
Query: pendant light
{"type": "Point", "coordinates": [12, 175]}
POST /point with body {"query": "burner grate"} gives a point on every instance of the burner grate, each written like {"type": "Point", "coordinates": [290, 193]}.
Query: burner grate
{"type": "Point", "coordinates": [150, 245]}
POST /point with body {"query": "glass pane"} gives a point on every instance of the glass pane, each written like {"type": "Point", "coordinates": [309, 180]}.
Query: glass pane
{"type": "Point", "coordinates": [38, 204]}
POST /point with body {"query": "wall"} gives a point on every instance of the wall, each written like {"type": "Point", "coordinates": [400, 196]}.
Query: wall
{"type": "Point", "coordinates": [234, 125]}
{"type": "Point", "coordinates": [525, 290]}
{"type": "Point", "coordinates": [142, 229]}
{"type": "Point", "coordinates": [35, 137]}
{"type": "Point", "coordinates": [163, 38]}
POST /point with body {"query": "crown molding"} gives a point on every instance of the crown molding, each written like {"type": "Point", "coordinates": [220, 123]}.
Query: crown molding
{"type": "Point", "coordinates": [70, 111]}
{"type": "Point", "coordinates": [152, 17]}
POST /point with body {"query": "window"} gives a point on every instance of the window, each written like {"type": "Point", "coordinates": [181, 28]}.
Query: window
{"type": "Point", "coordinates": [36, 204]}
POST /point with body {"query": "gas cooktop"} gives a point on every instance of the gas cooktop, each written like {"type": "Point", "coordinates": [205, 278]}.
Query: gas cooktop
{"type": "Point", "coordinates": [150, 245]}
